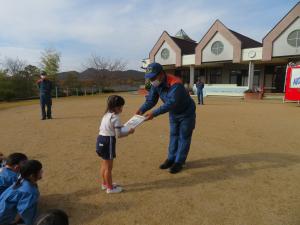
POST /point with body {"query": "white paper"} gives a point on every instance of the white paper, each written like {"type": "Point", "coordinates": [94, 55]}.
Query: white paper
{"type": "Point", "coordinates": [134, 122]}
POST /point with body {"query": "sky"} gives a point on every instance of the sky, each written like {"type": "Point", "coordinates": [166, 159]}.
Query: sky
{"type": "Point", "coordinates": [119, 29]}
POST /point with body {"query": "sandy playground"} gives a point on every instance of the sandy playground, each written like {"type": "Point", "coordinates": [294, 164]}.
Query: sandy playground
{"type": "Point", "coordinates": [243, 167]}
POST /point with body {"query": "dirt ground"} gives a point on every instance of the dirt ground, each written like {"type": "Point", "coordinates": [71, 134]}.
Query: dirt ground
{"type": "Point", "coordinates": [243, 167]}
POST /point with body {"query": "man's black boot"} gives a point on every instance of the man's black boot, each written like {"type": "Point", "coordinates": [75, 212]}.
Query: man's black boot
{"type": "Point", "coordinates": [177, 167]}
{"type": "Point", "coordinates": [167, 164]}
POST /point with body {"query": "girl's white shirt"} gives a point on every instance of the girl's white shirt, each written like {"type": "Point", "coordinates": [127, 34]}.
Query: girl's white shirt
{"type": "Point", "coordinates": [111, 126]}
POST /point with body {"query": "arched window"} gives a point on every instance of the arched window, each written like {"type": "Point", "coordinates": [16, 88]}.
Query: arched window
{"type": "Point", "coordinates": [294, 39]}
{"type": "Point", "coordinates": [165, 53]}
{"type": "Point", "coordinates": [217, 47]}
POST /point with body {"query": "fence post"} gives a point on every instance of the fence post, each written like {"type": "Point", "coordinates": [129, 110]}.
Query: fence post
{"type": "Point", "coordinates": [56, 92]}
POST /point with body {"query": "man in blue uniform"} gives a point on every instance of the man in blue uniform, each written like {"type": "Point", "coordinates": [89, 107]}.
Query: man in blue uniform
{"type": "Point", "coordinates": [200, 86]}
{"type": "Point", "coordinates": [45, 87]}
{"type": "Point", "coordinates": [181, 108]}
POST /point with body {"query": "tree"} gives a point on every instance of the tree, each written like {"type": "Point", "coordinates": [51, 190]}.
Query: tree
{"type": "Point", "coordinates": [31, 71]}
{"type": "Point", "coordinates": [6, 89]}
{"type": "Point", "coordinates": [103, 66]}
{"type": "Point", "coordinates": [29, 76]}
{"type": "Point", "coordinates": [71, 81]}
{"type": "Point", "coordinates": [13, 66]}
{"type": "Point", "coordinates": [50, 60]}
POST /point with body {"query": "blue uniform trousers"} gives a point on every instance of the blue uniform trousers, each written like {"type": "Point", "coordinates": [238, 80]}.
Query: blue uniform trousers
{"type": "Point", "coordinates": [200, 96]}
{"type": "Point", "coordinates": [181, 130]}
{"type": "Point", "coordinates": [46, 101]}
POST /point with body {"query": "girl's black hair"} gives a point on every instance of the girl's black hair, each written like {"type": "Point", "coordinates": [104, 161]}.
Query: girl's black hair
{"type": "Point", "coordinates": [29, 168]}
{"type": "Point", "coordinates": [114, 101]}
{"type": "Point", "coordinates": [15, 158]}
{"type": "Point", "coordinates": [53, 217]}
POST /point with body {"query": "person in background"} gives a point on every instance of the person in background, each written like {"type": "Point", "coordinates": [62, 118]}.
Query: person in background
{"type": "Point", "coordinates": [181, 108]}
{"type": "Point", "coordinates": [53, 217]}
{"type": "Point", "coordinates": [200, 86]}
{"type": "Point", "coordinates": [9, 174]}
{"type": "Point", "coordinates": [18, 203]}
{"type": "Point", "coordinates": [45, 87]}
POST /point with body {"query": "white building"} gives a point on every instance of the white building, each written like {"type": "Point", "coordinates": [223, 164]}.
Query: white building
{"type": "Point", "coordinates": [229, 62]}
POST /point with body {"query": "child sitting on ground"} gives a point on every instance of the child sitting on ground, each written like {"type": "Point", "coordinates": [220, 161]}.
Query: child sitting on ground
{"type": "Point", "coordinates": [106, 142]}
{"type": "Point", "coordinates": [19, 201]}
{"type": "Point", "coordinates": [9, 174]}
{"type": "Point", "coordinates": [53, 217]}
{"type": "Point", "coordinates": [2, 160]}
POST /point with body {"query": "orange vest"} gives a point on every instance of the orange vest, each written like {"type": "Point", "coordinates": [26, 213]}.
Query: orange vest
{"type": "Point", "coordinates": [171, 80]}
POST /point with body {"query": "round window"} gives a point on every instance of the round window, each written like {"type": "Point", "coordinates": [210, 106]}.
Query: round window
{"type": "Point", "coordinates": [294, 38]}
{"type": "Point", "coordinates": [217, 47]}
{"type": "Point", "coordinates": [165, 53]}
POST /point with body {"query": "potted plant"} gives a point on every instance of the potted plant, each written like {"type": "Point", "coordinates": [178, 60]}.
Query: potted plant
{"type": "Point", "coordinates": [253, 94]}
{"type": "Point", "coordinates": [145, 88]}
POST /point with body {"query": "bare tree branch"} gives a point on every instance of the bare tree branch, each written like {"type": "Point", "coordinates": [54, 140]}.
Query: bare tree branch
{"type": "Point", "coordinates": [103, 66]}
{"type": "Point", "coordinates": [14, 66]}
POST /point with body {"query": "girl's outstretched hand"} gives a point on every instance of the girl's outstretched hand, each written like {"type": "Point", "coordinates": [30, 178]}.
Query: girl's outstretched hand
{"type": "Point", "coordinates": [131, 131]}
{"type": "Point", "coordinates": [138, 112]}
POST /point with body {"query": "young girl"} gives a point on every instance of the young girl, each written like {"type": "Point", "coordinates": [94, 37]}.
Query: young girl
{"type": "Point", "coordinates": [19, 201]}
{"type": "Point", "coordinates": [106, 142]}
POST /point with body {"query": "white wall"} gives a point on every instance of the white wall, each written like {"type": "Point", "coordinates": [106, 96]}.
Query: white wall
{"type": "Point", "coordinates": [188, 60]}
{"type": "Point", "coordinates": [172, 57]}
{"type": "Point", "coordinates": [227, 54]}
{"type": "Point", "coordinates": [280, 45]}
{"type": "Point", "coordinates": [251, 54]}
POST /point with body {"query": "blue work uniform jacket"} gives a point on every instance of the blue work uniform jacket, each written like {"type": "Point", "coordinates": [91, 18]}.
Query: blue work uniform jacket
{"type": "Point", "coordinates": [200, 86]}
{"type": "Point", "coordinates": [176, 99]}
{"type": "Point", "coordinates": [45, 87]}
{"type": "Point", "coordinates": [21, 200]}
{"type": "Point", "coordinates": [7, 178]}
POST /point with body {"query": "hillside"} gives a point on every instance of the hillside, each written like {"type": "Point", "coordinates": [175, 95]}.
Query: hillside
{"type": "Point", "coordinates": [114, 78]}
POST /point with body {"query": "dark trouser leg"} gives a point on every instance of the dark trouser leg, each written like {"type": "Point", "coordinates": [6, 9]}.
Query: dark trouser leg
{"type": "Point", "coordinates": [198, 95]}
{"type": "Point", "coordinates": [186, 128]}
{"type": "Point", "coordinates": [43, 105]}
{"type": "Point", "coordinates": [49, 105]}
{"type": "Point", "coordinates": [201, 98]}
{"type": "Point", "coordinates": [174, 137]}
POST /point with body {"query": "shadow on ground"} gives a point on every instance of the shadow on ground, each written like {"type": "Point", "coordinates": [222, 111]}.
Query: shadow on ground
{"type": "Point", "coordinates": [74, 206]}
{"type": "Point", "coordinates": [218, 169]}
